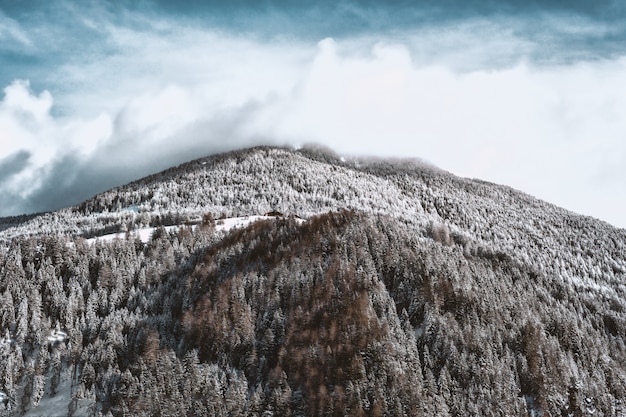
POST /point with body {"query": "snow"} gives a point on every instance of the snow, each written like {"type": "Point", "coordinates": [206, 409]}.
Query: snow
{"type": "Point", "coordinates": [221, 225]}
{"type": "Point", "coordinates": [6, 341]}
{"type": "Point", "coordinates": [419, 330]}
{"type": "Point", "coordinates": [238, 222]}
{"type": "Point", "coordinates": [57, 336]}
{"type": "Point", "coordinates": [532, 409]}
{"type": "Point", "coordinates": [57, 404]}
{"type": "Point", "coordinates": [3, 398]}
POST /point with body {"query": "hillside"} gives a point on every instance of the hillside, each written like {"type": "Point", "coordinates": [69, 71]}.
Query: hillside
{"type": "Point", "coordinates": [389, 287]}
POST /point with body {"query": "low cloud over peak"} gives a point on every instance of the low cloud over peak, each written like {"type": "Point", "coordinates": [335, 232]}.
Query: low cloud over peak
{"type": "Point", "coordinates": [534, 103]}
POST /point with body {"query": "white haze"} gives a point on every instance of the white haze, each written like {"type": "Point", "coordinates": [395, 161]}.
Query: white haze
{"type": "Point", "coordinates": [170, 94]}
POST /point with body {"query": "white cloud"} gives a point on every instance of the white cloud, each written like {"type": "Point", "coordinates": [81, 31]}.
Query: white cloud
{"type": "Point", "coordinates": [553, 131]}
{"type": "Point", "coordinates": [25, 125]}
{"type": "Point", "coordinates": [18, 100]}
{"type": "Point", "coordinates": [11, 33]}
{"type": "Point", "coordinates": [546, 130]}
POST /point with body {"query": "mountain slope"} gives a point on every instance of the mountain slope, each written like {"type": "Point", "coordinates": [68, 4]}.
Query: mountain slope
{"type": "Point", "coordinates": [418, 293]}
{"type": "Point", "coordinates": [310, 181]}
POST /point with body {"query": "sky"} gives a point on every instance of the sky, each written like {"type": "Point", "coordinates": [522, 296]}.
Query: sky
{"type": "Point", "coordinates": [529, 94]}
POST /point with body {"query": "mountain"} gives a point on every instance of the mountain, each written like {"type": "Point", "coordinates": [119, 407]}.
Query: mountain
{"type": "Point", "coordinates": [362, 287]}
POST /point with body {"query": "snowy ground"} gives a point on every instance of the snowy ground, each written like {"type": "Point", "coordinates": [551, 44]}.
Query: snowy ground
{"type": "Point", "coordinates": [57, 405]}
{"type": "Point", "coordinates": [220, 225]}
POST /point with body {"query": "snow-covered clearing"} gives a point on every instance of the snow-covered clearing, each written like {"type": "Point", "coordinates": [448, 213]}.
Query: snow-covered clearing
{"type": "Point", "coordinates": [57, 404]}
{"type": "Point", "coordinates": [221, 225]}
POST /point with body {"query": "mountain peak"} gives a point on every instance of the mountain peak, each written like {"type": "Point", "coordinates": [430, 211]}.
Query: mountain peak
{"type": "Point", "coordinates": [307, 283]}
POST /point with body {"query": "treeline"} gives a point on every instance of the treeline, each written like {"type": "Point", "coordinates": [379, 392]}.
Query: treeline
{"type": "Point", "coordinates": [349, 313]}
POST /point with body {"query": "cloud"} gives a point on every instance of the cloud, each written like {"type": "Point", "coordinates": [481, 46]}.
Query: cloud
{"type": "Point", "coordinates": [12, 36]}
{"type": "Point", "coordinates": [19, 101]}
{"type": "Point", "coordinates": [474, 97]}
{"type": "Point", "coordinates": [13, 164]}
{"type": "Point", "coordinates": [548, 130]}
{"type": "Point", "coordinates": [122, 121]}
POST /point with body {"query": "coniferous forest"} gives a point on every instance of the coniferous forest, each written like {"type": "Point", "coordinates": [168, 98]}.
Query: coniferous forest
{"type": "Point", "coordinates": [372, 288]}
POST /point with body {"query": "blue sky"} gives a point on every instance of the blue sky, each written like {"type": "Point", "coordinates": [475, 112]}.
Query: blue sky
{"type": "Point", "coordinates": [528, 94]}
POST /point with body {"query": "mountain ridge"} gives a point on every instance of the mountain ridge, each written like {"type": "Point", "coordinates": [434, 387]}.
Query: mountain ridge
{"type": "Point", "coordinates": [380, 166]}
{"type": "Point", "coordinates": [420, 194]}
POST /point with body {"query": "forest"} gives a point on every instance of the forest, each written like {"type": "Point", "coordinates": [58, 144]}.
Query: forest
{"type": "Point", "coordinates": [385, 288]}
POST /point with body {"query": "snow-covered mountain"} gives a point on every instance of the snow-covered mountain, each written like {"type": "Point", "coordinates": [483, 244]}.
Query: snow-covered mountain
{"type": "Point", "coordinates": [372, 287]}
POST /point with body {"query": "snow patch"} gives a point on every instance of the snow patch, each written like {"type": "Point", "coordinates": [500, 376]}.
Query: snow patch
{"type": "Point", "coordinates": [57, 404]}
{"type": "Point", "coordinates": [57, 336]}
{"type": "Point", "coordinates": [221, 225]}
{"type": "Point", "coordinates": [4, 399]}
{"type": "Point", "coordinates": [419, 330]}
